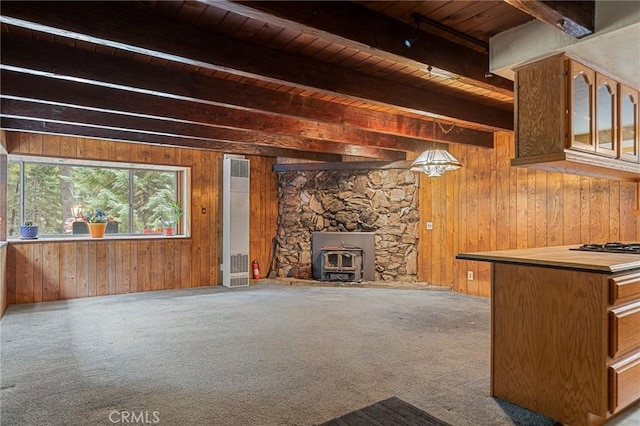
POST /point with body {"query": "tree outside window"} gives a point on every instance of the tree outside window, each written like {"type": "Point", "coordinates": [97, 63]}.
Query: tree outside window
{"type": "Point", "coordinates": [132, 198]}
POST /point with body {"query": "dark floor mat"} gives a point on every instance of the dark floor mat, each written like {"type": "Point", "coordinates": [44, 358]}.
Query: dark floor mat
{"type": "Point", "coordinates": [390, 412]}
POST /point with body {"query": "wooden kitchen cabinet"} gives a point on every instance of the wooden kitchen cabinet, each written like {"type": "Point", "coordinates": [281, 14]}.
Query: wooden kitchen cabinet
{"type": "Point", "coordinates": [628, 127]}
{"type": "Point", "coordinates": [624, 342]}
{"type": "Point", "coordinates": [559, 347]}
{"type": "Point", "coordinates": [624, 377]}
{"type": "Point", "coordinates": [580, 105]}
{"type": "Point", "coordinates": [606, 107]}
{"type": "Point", "coordinates": [572, 118]}
{"type": "Point", "coordinates": [565, 331]}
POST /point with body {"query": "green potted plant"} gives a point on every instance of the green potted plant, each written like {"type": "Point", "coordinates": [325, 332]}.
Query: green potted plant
{"type": "Point", "coordinates": [96, 222]}
{"type": "Point", "coordinates": [28, 231]}
{"type": "Point", "coordinates": [176, 207]}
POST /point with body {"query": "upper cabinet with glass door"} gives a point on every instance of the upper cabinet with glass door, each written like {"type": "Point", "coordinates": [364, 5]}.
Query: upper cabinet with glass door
{"type": "Point", "coordinates": [606, 122]}
{"type": "Point", "coordinates": [628, 129]}
{"type": "Point", "coordinates": [573, 118]}
{"type": "Point", "coordinates": [581, 106]}
{"type": "Point", "coordinates": [593, 111]}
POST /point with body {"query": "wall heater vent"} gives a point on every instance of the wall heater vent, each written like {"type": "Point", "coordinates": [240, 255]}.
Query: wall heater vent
{"type": "Point", "coordinates": [239, 263]}
{"type": "Point", "coordinates": [235, 221]}
{"type": "Point", "coordinates": [240, 169]}
{"type": "Point", "coordinates": [238, 282]}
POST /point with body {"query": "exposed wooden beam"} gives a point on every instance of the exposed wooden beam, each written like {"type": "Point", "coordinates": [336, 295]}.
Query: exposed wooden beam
{"type": "Point", "coordinates": [352, 25]}
{"type": "Point", "coordinates": [39, 126]}
{"type": "Point", "coordinates": [21, 108]}
{"type": "Point", "coordinates": [69, 93]}
{"type": "Point", "coordinates": [116, 26]}
{"type": "Point", "coordinates": [575, 18]}
{"type": "Point", "coordinates": [31, 56]}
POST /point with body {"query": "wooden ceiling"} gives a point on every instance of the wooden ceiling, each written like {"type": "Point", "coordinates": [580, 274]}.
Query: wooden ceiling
{"type": "Point", "coordinates": [308, 80]}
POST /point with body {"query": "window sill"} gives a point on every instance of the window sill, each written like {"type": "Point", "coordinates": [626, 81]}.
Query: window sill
{"type": "Point", "coordinates": [105, 238]}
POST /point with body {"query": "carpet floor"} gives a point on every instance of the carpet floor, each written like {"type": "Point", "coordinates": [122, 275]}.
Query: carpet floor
{"type": "Point", "coordinates": [262, 355]}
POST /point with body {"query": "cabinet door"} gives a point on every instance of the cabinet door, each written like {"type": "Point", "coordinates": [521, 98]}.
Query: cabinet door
{"type": "Point", "coordinates": [624, 382]}
{"type": "Point", "coordinates": [581, 107]}
{"type": "Point", "coordinates": [628, 139]}
{"type": "Point", "coordinates": [605, 118]}
{"type": "Point", "coordinates": [624, 329]}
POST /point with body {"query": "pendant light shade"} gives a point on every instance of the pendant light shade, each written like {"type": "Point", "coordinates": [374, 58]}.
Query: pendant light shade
{"type": "Point", "coordinates": [434, 162]}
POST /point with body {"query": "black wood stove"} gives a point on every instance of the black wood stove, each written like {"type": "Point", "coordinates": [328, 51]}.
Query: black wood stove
{"type": "Point", "coordinates": [341, 264]}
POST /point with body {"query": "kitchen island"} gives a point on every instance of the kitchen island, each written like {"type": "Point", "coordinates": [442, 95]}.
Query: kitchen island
{"type": "Point", "coordinates": [565, 331]}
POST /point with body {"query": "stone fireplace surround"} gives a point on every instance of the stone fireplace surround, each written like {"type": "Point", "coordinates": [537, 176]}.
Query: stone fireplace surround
{"type": "Point", "coordinates": [384, 201]}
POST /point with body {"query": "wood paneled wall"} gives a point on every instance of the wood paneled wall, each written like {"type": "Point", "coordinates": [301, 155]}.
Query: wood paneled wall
{"type": "Point", "coordinates": [486, 205]}
{"type": "Point", "coordinates": [489, 205]}
{"type": "Point", "coordinates": [3, 142]}
{"type": "Point", "coordinates": [50, 270]}
{"type": "Point", "coordinates": [264, 203]}
{"type": "Point", "coordinates": [68, 270]}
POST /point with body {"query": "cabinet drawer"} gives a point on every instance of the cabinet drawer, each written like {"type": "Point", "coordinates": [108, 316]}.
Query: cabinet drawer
{"type": "Point", "coordinates": [624, 329]}
{"type": "Point", "coordinates": [624, 382]}
{"type": "Point", "coordinates": [624, 288]}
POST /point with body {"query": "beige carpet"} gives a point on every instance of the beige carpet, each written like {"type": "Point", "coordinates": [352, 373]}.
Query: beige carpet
{"type": "Point", "coordinates": [264, 355]}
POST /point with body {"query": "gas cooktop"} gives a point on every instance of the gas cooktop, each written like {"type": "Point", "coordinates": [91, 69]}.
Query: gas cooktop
{"type": "Point", "coordinates": [611, 247]}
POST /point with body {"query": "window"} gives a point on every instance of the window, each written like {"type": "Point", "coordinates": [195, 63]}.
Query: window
{"type": "Point", "coordinates": [53, 194]}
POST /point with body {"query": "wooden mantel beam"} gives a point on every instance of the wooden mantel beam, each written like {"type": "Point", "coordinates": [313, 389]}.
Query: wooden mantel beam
{"type": "Point", "coordinates": [575, 18]}
{"type": "Point", "coordinates": [32, 56]}
{"type": "Point", "coordinates": [352, 25]}
{"type": "Point", "coordinates": [117, 26]}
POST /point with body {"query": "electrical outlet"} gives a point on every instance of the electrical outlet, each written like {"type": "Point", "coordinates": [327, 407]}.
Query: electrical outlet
{"type": "Point", "coordinates": [429, 225]}
{"type": "Point", "coordinates": [470, 275]}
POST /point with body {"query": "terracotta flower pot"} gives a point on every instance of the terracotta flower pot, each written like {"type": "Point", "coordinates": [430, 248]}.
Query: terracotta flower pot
{"type": "Point", "coordinates": [96, 230]}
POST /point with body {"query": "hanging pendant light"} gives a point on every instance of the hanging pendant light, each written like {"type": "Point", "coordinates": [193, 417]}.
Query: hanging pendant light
{"type": "Point", "coordinates": [434, 162]}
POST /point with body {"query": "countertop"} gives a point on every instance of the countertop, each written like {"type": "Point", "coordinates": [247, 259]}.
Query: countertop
{"type": "Point", "coordinates": [560, 257]}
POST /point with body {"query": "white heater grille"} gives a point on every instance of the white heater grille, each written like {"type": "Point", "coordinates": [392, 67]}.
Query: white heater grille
{"type": "Point", "coordinates": [240, 168]}
{"type": "Point", "coordinates": [238, 282]}
{"type": "Point", "coordinates": [235, 221]}
{"type": "Point", "coordinates": [239, 263]}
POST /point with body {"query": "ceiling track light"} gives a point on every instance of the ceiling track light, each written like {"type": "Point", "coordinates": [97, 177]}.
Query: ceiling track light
{"type": "Point", "coordinates": [418, 19]}
{"type": "Point", "coordinates": [416, 33]}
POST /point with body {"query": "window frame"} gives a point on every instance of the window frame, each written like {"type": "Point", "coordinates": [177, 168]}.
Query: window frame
{"type": "Point", "coordinates": [183, 181]}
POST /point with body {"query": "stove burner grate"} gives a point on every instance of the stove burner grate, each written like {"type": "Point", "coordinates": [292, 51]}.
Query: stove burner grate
{"type": "Point", "coordinates": [611, 248]}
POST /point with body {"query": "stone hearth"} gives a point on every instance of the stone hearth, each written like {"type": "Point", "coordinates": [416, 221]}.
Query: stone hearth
{"type": "Point", "coordinates": [380, 201]}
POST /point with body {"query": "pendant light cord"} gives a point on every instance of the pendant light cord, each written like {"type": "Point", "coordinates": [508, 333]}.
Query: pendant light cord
{"type": "Point", "coordinates": [443, 130]}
